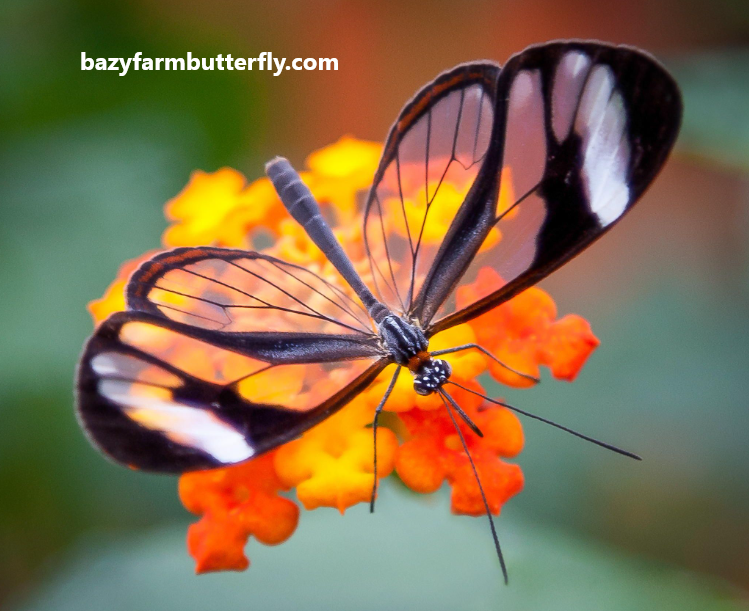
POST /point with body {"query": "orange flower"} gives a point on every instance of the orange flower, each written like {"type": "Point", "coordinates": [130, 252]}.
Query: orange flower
{"type": "Point", "coordinates": [332, 464]}
{"type": "Point", "coordinates": [523, 333]}
{"type": "Point", "coordinates": [200, 209]}
{"type": "Point", "coordinates": [235, 503]}
{"type": "Point", "coordinates": [434, 453]}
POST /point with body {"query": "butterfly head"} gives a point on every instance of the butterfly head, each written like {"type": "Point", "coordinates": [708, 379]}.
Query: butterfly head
{"type": "Point", "coordinates": [431, 375]}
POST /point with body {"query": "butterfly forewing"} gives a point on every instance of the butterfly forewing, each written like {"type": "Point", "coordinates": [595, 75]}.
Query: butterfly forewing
{"type": "Point", "coordinates": [581, 131]}
{"type": "Point", "coordinates": [432, 158]}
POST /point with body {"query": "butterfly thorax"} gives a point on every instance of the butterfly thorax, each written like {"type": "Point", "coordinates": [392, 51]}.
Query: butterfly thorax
{"type": "Point", "coordinates": [408, 346]}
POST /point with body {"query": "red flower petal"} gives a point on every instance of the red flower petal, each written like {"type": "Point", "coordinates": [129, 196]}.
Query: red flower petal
{"type": "Point", "coordinates": [235, 502]}
{"type": "Point", "coordinates": [523, 333]}
{"type": "Point", "coordinates": [435, 454]}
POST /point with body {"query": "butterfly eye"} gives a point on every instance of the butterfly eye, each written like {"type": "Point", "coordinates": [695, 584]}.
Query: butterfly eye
{"type": "Point", "coordinates": [422, 388]}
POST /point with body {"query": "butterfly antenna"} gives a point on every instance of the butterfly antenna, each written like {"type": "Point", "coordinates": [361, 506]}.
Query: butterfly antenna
{"type": "Point", "coordinates": [374, 435]}
{"type": "Point", "coordinates": [443, 396]}
{"type": "Point", "coordinates": [461, 412]}
{"type": "Point", "coordinates": [608, 446]}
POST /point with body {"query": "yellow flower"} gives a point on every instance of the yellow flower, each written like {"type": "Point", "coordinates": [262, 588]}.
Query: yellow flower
{"type": "Point", "coordinates": [332, 464]}
{"type": "Point", "coordinates": [340, 172]}
{"type": "Point", "coordinates": [200, 209]}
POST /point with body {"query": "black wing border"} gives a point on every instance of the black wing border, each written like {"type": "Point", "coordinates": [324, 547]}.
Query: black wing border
{"type": "Point", "coordinates": [103, 420]}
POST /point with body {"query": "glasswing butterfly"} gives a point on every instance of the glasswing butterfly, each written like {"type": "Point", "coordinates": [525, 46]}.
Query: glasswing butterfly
{"type": "Point", "coordinates": [579, 128]}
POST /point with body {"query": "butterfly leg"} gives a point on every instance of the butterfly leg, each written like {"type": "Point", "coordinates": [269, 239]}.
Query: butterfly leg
{"type": "Point", "coordinates": [374, 435]}
{"type": "Point", "coordinates": [534, 379]}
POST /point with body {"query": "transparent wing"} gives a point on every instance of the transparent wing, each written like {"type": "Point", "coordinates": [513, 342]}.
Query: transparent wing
{"type": "Point", "coordinates": [162, 395]}
{"type": "Point", "coordinates": [430, 164]}
{"type": "Point", "coordinates": [581, 131]}
{"type": "Point", "coordinates": [243, 291]}
{"type": "Point", "coordinates": [224, 354]}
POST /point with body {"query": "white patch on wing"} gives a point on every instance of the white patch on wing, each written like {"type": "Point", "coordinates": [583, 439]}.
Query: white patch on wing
{"type": "Point", "coordinates": [602, 124]}
{"type": "Point", "coordinates": [116, 364]}
{"type": "Point", "coordinates": [154, 409]}
{"type": "Point", "coordinates": [522, 88]}
{"type": "Point", "coordinates": [568, 82]}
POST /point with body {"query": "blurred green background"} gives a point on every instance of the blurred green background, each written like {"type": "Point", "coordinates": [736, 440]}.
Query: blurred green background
{"type": "Point", "coordinates": [87, 160]}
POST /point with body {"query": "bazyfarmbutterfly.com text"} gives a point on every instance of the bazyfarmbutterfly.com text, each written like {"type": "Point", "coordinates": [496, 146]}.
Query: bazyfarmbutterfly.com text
{"type": "Point", "coordinates": [264, 61]}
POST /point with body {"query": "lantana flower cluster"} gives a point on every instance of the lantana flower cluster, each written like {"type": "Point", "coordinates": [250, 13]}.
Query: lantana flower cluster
{"type": "Point", "coordinates": [331, 465]}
